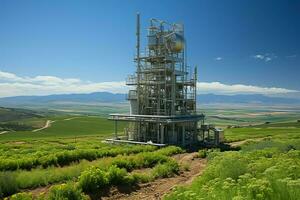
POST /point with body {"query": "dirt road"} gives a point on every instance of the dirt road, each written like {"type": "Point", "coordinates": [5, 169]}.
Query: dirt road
{"type": "Point", "coordinates": [3, 132]}
{"type": "Point", "coordinates": [158, 188]}
{"type": "Point", "coordinates": [241, 142]}
{"type": "Point", "coordinates": [47, 125]}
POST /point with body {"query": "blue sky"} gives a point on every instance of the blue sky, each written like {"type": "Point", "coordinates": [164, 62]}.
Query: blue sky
{"type": "Point", "coordinates": [250, 43]}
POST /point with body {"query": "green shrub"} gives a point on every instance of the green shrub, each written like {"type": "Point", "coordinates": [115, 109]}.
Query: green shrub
{"type": "Point", "coordinates": [268, 173]}
{"type": "Point", "coordinates": [66, 192]}
{"type": "Point", "coordinates": [202, 153]}
{"type": "Point", "coordinates": [170, 150]}
{"type": "Point", "coordinates": [22, 196]}
{"type": "Point", "coordinates": [65, 157]}
{"type": "Point", "coordinates": [116, 175]}
{"type": "Point", "coordinates": [8, 184]}
{"type": "Point", "coordinates": [165, 170]}
{"type": "Point", "coordinates": [93, 179]}
{"type": "Point", "coordinates": [49, 160]}
{"type": "Point", "coordinates": [126, 163]}
{"type": "Point", "coordinates": [144, 159]}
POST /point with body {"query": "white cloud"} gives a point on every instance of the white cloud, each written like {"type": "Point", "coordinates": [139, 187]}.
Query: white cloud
{"type": "Point", "coordinates": [265, 57]}
{"type": "Point", "coordinates": [13, 85]}
{"type": "Point", "coordinates": [258, 56]}
{"type": "Point", "coordinates": [220, 88]}
{"type": "Point", "coordinates": [218, 58]}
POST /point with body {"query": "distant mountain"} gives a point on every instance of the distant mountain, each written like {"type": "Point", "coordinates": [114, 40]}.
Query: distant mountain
{"type": "Point", "coordinates": [245, 99]}
{"type": "Point", "coordinates": [103, 97]}
{"type": "Point", "coordinates": [106, 97]}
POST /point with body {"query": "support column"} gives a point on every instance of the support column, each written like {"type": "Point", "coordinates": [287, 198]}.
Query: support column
{"type": "Point", "coordinates": [162, 134]}
{"type": "Point", "coordinates": [116, 129]}
{"type": "Point", "coordinates": [174, 136]}
{"type": "Point", "coordinates": [157, 132]}
{"type": "Point", "coordinates": [195, 138]}
{"type": "Point", "coordinates": [183, 135]}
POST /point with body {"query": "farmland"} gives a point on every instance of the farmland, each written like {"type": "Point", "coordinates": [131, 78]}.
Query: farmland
{"type": "Point", "coordinates": [266, 167]}
{"type": "Point", "coordinates": [68, 160]}
{"type": "Point", "coordinates": [68, 127]}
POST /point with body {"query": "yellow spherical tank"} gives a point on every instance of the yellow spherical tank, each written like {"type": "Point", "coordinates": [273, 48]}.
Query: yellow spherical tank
{"type": "Point", "coordinates": [176, 43]}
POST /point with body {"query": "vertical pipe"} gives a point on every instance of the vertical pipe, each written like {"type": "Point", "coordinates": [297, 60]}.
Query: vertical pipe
{"type": "Point", "coordinates": [138, 72]}
{"type": "Point", "coordinates": [195, 89]}
{"type": "Point", "coordinates": [138, 59]}
{"type": "Point", "coordinates": [162, 134]}
{"type": "Point", "coordinates": [157, 130]}
{"type": "Point", "coordinates": [173, 89]}
{"type": "Point", "coordinates": [183, 135]}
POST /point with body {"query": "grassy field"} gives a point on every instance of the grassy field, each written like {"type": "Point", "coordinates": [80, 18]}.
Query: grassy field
{"type": "Point", "coordinates": [224, 116]}
{"type": "Point", "coordinates": [68, 127]}
{"type": "Point", "coordinates": [20, 119]}
{"type": "Point", "coordinates": [268, 168]}
{"type": "Point", "coordinates": [275, 130]}
{"type": "Point", "coordinates": [69, 158]}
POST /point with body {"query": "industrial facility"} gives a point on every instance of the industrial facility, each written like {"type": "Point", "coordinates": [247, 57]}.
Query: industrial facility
{"type": "Point", "coordinates": [164, 90]}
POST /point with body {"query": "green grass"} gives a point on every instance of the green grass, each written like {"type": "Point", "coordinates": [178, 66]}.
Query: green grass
{"type": "Point", "coordinates": [20, 119]}
{"type": "Point", "coordinates": [266, 169]}
{"type": "Point", "coordinates": [12, 182]}
{"type": "Point", "coordinates": [246, 115]}
{"type": "Point", "coordinates": [276, 130]}
{"type": "Point", "coordinates": [80, 126]}
{"type": "Point", "coordinates": [60, 153]}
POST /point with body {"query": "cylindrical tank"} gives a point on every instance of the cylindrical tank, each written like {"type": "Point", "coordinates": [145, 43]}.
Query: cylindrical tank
{"type": "Point", "coordinates": [175, 42]}
{"type": "Point", "coordinates": [133, 107]}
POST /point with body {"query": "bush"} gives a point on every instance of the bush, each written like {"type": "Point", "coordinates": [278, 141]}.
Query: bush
{"type": "Point", "coordinates": [116, 175]}
{"type": "Point", "coordinates": [142, 178]}
{"type": "Point", "coordinates": [22, 196]}
{"type": "Point", "coordinates": [202, 153]}
{"type": "Point", "coordinates": [141, 160]}
{"type": "Point", "coordinates": [170, 150]}
{"type": "Point", "coordinates": [8, 184]}
{"type": "Point", "coordinates": [269, 173]}
{"type": "Point", "coordinates": [165, 170]}
{"type": "Point", "coordinates": [93, 179]}
{"type": "Point", "coordinates": [66, 192]}
{"type": "Point", "coordinates": [65, 157]}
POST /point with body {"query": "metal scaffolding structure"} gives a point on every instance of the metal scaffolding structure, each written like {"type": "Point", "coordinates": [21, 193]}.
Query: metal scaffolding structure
{"type": "Point", "coordinates": [163, 101]}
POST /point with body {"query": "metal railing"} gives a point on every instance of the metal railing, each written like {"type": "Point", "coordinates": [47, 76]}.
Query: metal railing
{"type": "Point", "coordinates": [131, 80]}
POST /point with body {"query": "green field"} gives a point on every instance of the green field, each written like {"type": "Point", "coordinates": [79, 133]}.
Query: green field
{"type": "Point", "coordinates": [243, 116]}
{"type": "Point", "coordinates": [69, 159]}
{"type": "Point", "coordinates": [15, 119]}
{"type": "Point", "coordinates": [68, 126]}
{"type": "Point", "coordinates": [266, 167]}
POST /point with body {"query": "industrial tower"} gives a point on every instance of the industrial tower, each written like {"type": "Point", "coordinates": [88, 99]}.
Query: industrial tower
{"type": "Point", "coordinates": [163, 95]}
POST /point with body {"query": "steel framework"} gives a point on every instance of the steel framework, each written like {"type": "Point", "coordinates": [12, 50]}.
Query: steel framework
{"type": "Point", "coordinates": [163, 101]}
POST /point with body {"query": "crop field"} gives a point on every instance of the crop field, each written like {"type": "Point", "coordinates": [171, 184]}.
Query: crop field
{"type": "Point", "coordinates": [266, 167]}
{"type": "Point", "coordinates": [70, 157]}
{"type": "Point", "coordinates": [244, 116]}
{"type": "Point", "coordinates": [68, 160]}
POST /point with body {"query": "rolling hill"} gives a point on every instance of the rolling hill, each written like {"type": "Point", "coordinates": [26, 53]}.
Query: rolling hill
{"type": "Point", "coordinates": [106, 97]}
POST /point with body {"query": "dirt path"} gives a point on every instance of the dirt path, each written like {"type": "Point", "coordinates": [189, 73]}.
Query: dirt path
{"type": "Point", "coordinates": [239, 143]}
{"type": "Point", "coordinates": [158, 188]}
{"type": "Point", "coordinates": [70, 118]}
{"type": "Point", "coordinates": [3, 132]}
{"type": "Point", "coordinates": [47, 125]}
